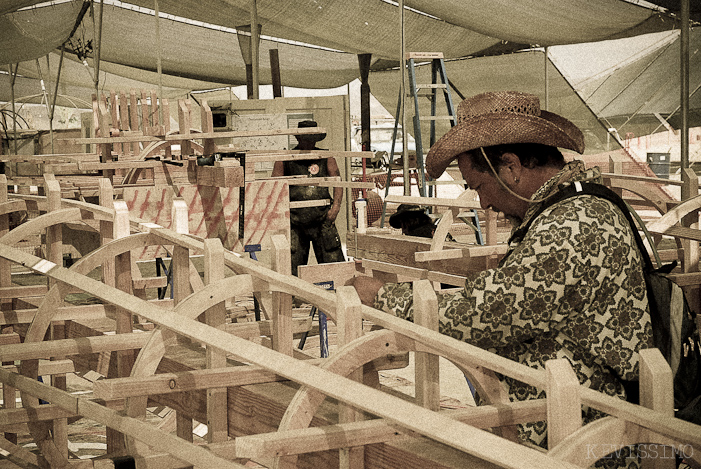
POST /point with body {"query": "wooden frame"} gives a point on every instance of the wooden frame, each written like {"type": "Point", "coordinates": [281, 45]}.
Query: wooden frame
{"type": "Point", "coordinates": [337, 377]}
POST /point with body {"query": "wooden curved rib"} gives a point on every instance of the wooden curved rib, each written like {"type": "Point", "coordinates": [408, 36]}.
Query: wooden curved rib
{"type": "Point", "coordinates": [643, 191]}
{"type": "Point", "coordinates": [152, 353]}
{"type": "Point", "coordinates": [89, 210]}
{"type": "Point", "coordinates": [347, 359]}
{"type": "Point", "coordinates": [130, 177]}
{"type": "Point", "coordinates": [607, 432]}
{"type": "Point", "coordinates": [12, 206]}
{"type": "Point", "coordinates": [39, 224]}
{"type": "Point", "coordinates": [675, 215]}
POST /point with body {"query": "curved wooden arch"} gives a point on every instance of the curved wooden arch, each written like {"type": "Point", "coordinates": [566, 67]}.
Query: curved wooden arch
{"type": "Point", "coordinates": [10, 206]}
{"type": "Point", "coordinates": [88, 210]}
{"type": "Point", "coordinates": [602, 433]}
{"type": "Point", "coordinates": [40, 223]}
{"type": "Point", "coordinates": [41, 431]}
{"type": "Point", "coordinates": [675, 215]}
{"type": "Point", "coordinates": [153, 351]}
{"type": "Point", "coordinates": [152, 147]}
{"type": "Point", "coordinates": [643, 191]}
{"type": "Point", "coordinates": [371, 346]}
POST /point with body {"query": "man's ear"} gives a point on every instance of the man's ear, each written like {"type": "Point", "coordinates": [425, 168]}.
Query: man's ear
{"type": "Point", "coordinates": [510, 168]}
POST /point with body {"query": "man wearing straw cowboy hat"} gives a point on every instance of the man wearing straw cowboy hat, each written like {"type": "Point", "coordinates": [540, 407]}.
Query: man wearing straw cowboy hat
{"type": "Point", "coordinates": [571, 287]}
{"type": "Point", "coordinates": [312, 225]}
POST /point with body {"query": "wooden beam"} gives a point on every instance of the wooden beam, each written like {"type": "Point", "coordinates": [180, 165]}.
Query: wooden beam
{"type": "Point", "coordinates": [136, 428]}
{"type": "Point", "coordinates": [82, 345]}
{"type": "Point", "coordinates": [378, 430]}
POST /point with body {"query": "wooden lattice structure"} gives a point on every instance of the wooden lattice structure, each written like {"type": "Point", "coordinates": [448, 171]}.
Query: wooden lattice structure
{"type": "Point", "coordinates": [265, 401]}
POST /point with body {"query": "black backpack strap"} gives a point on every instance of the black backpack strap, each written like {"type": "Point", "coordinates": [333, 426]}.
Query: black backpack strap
{"type": "Point", "coordinates": [578, 188]}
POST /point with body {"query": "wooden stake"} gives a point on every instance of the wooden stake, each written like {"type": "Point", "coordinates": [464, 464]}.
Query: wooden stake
{"type": "Point", "coordinates": [217, 415]}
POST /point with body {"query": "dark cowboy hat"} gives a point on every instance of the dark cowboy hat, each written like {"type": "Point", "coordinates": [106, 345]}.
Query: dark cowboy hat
{"type": "Point", "coordinates": [497, 118]}
{"type": "Point", "coordinates": [313, 137]}
{"type": "Point", "coordinates": [405, 212]}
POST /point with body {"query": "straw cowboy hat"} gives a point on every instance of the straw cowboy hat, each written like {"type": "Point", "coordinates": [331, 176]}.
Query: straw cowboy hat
{"type": "Point", "coordinates": [313, 137]}
{"type": "Point", "coordinates": [501, 117]}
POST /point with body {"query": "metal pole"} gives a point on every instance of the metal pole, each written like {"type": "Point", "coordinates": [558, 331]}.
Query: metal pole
{"type": "Point", "coordinates": [53, 98]}
{"type": "Point", "coordinates": [547, 90]}
{"type": "Point", "coordinates": [13, 76]}
{"type": "Point", "coordinates": [255, 38]}
{"type": "Point", "coordinates": [158, 63]}
{"type": "Point", "coordinates": [98, 43]}
{"type": "Point", "coordinates": [402, 68]}
{"type": "Point", "coordinates": [45, 99]}
{"type": "Point", "coordinates": [684, 72]}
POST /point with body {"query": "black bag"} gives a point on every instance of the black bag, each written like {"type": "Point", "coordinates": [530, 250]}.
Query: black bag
{"type": "Point", "coordinates": [674, 326]}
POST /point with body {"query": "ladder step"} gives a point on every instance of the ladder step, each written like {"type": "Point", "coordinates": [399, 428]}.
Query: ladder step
{"type": "Point", "coordinates": [435, 118]}
{"type": "Point", "coordinates": [424, 55]}
{"type": "Point", "coordinates": [431, 86]}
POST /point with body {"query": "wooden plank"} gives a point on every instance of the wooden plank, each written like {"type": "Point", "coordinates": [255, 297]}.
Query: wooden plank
{"type": "Point", "coordinates": [215, 316]}
{"type": "Point", "coordinates": [282, 302]}
{"type": "Point", "coordinates": [564, 404]}
{"type": "Point", "coordinates": [427, 369]}
{"type": "Point", "coordinates": [310, 203]}
{"type": "Point", "coordinates": [65, 347]}
{"type": "Point", "coordinates": [433, 201]}
{"type": "Point", "coordinates": [375, 431]}
{"type": "Point", "coordinates": [63, 313]}
{"type": "Point", "coordinates": [349, 321]}
{"type": "Point", "coordinates": [470, 252]}
{"type": "Point", "coordinates": [136, 428]}
{"type": "Point", "coordinates": [647, 179]}
{"type": "Point", "coordinates": [292, 155]}
{"type": "Point", "coordinates": [98, 166]}
{"type": "Point", "coordinates": [656, 392]}
{"type": "Point", "coordinates": [40, 223]}
{"type": "Point", "coordinates": [400, 250]}
{"type": "Point", "coordinates": [10, 206]}
{"type": "Point", "coordinates": [244, 133]}
{"type": "Point", "coordinates": [20, 291]}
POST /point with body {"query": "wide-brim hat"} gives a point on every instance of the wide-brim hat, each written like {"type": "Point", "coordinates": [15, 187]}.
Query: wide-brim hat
{"type": "Point", "coordinates": [497, 118]}
{"type": "Point", "coordinates": [404, 212]}
{"type": "Point", "coordinates": [313, 137]}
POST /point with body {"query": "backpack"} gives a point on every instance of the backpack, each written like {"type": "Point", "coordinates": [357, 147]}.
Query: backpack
{"type": "Point", "coordinates": [674, 326]}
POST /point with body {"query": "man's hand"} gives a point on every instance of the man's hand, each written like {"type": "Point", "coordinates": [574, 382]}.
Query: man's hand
{"type": "Point", "coordinates": [367, 288]}
{"type": "Point", "coordinates": [332, 213]}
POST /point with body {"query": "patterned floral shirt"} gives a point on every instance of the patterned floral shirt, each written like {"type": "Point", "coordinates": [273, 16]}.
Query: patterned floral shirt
{"type": "Point", "coordinates": [572, 288]}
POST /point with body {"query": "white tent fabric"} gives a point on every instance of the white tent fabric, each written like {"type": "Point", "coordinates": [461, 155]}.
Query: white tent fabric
{"type": "Point", "coordinates": [200, 50]}
{"type": "Point", "coordinates": [457, 29]}
{"type": "Point", "coordinates": [628, 95]}
{"type": "Point", "coordinates": [523, 71]}
{"type": "Point", "coordinates": [30, 34]}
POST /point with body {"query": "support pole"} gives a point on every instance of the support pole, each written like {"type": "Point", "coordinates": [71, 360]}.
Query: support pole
{"type": "Point", "coordinates": [158, 65]}
{"type": "Point", "coordinates": [364, 64]}
{"type": "Point", "coordinates": [547, 84]}
{"type": "Point", "coordinates": [255, 50]}
{"type": "Point", "coordinates": [13, 76]}
{"type": "Point", "coordinates": [275, 73]}
{"type": "Point", "coordinates": [684, 76]}
{"type": "Point", "coordinates": [97, 33]}
{"type": "Point", "coordinates": [53, 98]}
{"type": "Point", "coordinates": [402, 67]}
{"type": "Point", "coordinates": [45, 99]}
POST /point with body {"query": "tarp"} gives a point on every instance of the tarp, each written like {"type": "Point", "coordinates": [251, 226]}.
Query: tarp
{"type": "Point", "coordinates": [338, 30]}
{"type": "Point", "coordinates": [523, 71]}
{"type": "Point", "coordinates": [628, 95]}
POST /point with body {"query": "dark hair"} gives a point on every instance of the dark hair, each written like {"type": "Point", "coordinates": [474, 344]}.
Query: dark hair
{"type": "Point", "coordinates": [531, 155]}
